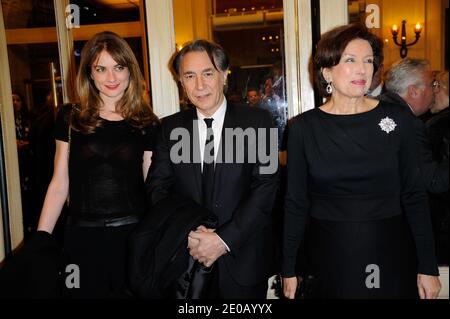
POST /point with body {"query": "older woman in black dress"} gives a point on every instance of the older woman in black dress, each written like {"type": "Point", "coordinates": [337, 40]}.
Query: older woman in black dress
{"type": "Point", "coordinates": [352, 170]}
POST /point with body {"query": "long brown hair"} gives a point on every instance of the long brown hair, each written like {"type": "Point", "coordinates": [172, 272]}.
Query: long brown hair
{"type": "Point", "coordinates": [133, 106]}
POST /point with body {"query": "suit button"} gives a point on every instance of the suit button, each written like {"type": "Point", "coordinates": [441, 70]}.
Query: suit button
{"type": "Point", "coordinates": [216, 205]}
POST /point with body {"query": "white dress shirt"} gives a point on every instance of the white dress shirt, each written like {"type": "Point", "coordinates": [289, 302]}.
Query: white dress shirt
{"type": "Point", "coordinates": [217, 125]}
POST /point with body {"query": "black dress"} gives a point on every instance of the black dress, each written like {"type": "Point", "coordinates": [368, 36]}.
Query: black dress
{"type": "Point", "coordinates": [357, 178]}
{"type": "Point", "coordinates": [107, 199]}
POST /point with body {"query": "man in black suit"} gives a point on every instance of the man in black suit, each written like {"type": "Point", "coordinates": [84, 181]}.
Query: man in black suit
{"type": "Point", "coordinates": [410, 84]}
{"type": "Point", "coordinates": [224, 157]}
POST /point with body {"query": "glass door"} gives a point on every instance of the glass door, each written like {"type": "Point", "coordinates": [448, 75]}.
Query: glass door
{"type": "Point", "coordinates": [34, 63]}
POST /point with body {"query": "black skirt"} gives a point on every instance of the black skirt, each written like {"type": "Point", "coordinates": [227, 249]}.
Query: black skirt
{"type": "Point", "coordinates": [371, 259]}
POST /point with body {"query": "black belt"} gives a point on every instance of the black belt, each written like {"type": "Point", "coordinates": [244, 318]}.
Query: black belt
{"type": "Point", "coordinates": [103, 222]}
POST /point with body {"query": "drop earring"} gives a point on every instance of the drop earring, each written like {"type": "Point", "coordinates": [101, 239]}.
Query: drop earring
{"type": "Point", "coordinates": [329, 88]}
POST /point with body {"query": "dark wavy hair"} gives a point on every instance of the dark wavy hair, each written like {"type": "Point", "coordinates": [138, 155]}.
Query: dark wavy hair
{"type": "Point", "coordinates": [216, 54]}
{"type": "Point", "coordinates": [333, 43]}
{"type": "Point", "coordinates": [134, 106]}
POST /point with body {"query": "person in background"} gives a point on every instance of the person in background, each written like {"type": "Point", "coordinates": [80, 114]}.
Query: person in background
{"type": "Point", "coordinates": [22, 121]}
{"type": "Point", "coordinates": [410, 84]}
{"type": "Point", "coordinates": [438, 132]}
{"type": "Point", "coordinates": [103, 152]}
{"type": "Point", "coordinates": [441, 96]}
{"type": "Point", "coordinates": [253, 97]}
{"type": "Point", "coordinates": [22, 124]}
{"type": "Point", "coordinates": [353, 172]}
{"type": "Point", "coordinates": [275, 105]}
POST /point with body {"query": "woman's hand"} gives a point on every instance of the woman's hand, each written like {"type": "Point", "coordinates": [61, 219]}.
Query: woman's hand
{"type": "Point", "coordinates": [429, 286]}
{"type": "Point", "coordinates": [289, 287]}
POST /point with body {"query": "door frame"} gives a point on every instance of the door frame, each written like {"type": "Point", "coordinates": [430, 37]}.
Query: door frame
{"type": "Point", "coordinates": [13, 225]}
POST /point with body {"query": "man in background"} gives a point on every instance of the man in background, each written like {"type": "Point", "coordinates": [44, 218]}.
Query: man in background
{"type": "Point", "coordinates": [253, 97]}
{"type": "Point", "coordinates": [410, 84]}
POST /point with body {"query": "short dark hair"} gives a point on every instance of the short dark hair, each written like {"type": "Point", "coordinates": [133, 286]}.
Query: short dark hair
{"type": "Point", "coordinates": [252, 88]}
{"type": "Point", "coordinates": [216, 54]}
{"type": "Point", "coordinates": [19, 95]}
{"type": "Point", "coordinates": [333, 43]}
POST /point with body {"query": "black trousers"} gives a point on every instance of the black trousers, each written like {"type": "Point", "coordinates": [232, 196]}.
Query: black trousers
{"type": "Point", "coordinates": [225, 287]}
{"type": "Point", "coordinates": [101, 255]}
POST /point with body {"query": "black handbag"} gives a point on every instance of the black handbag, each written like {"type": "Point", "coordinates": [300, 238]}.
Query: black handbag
{"type": "Point", "coordinates": [35, 270]}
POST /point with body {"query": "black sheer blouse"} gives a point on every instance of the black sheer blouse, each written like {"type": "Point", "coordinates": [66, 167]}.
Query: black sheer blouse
{"type": "Point", "coordinates": [105, 168]}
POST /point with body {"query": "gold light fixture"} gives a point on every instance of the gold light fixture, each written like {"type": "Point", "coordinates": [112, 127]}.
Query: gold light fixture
{"type": "Point", "coordinates": [402, 44]}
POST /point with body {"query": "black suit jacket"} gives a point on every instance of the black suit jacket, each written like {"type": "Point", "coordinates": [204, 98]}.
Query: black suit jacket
{"type": "Point", "coordinates": [243, 196]}
{"type": "Point", "coordinates": [434, 174]}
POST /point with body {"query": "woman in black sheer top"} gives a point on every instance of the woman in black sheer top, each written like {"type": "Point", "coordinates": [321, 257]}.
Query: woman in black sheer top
{"type": "Point", "coordinates": [110, 134]}
{"type": "Point", "coordinates": [353, 173]}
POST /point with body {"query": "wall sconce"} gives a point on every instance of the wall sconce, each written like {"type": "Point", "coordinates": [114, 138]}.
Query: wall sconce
{"type": "Point", "coordinates": [403, 45]}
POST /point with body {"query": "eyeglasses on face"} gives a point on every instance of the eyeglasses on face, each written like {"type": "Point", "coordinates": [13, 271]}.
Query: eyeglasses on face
{"type": "Point", "coordinates": [435, 84]}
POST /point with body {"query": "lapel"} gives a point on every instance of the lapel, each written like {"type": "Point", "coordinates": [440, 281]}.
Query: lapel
{"type": "Point", "coordinates": [194, 172]}
{"type": "Point", "coordinates": [228, 122]}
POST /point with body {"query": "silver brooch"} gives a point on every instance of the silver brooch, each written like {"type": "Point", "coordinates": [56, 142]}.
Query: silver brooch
{"type": "Point", "coordinates": [387, 124]}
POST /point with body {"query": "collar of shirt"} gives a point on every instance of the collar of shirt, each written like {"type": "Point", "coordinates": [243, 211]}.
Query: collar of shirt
{"type": "Point", "coordinates": [410, 108]}
{"type": "Point", "coordinates": [217, 124]}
